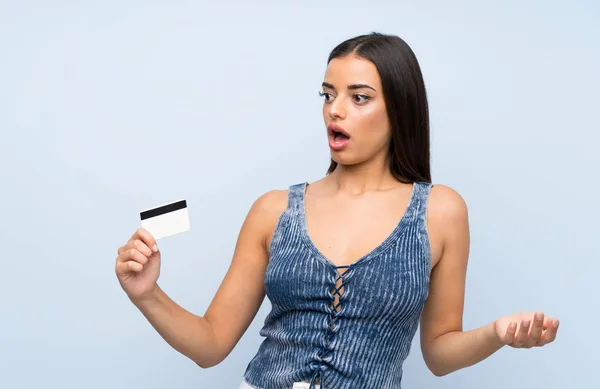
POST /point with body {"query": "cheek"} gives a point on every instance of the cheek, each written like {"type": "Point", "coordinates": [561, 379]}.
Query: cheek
{"type": "Point", "coordinates": [374, 124]}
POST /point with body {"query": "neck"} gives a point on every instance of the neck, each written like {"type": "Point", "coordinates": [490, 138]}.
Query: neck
{"type": "Point", "coordinates": [359, 178]}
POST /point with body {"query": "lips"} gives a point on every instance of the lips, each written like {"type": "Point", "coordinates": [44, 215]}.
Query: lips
{"type": "Point", "coordinates": [338, 137]}
{"type": "Point", "coordinates": [335, 130]}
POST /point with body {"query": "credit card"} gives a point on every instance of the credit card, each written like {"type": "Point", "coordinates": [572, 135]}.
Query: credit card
{"type": "Point", "coordinates": [166, 219]}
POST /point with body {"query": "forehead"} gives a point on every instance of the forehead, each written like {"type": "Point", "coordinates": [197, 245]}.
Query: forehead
{"type": "Point", "coordinates": [352, 70]}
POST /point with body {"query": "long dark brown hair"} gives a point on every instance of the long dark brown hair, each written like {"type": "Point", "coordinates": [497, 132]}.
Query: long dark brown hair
{"type": "Point", "coordinates": [405, 98]}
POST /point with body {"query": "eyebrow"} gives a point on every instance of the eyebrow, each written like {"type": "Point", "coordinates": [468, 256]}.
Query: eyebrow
{"type": "Point", "coordinates": [351, 86]}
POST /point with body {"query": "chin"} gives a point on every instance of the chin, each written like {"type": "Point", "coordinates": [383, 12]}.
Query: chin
{"type": "Point", "coordinates": [342, 157]}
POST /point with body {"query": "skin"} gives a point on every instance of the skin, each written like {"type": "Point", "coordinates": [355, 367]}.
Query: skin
{"type": "Point", "coordinates": [349, 213]}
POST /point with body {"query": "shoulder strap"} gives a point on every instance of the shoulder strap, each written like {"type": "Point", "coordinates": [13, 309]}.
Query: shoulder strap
{"type": "Point", "coordinates": [295, 204]}
{"type": "Point", "coordinates": [422, 199]}
{"type": "Point", "coordinates": [422, 190]}
{"type": "Point", "coordinates": [296, 196]}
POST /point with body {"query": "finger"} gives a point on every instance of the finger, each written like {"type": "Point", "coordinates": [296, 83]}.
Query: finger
{"type": "Point", "coordinates": [132, 255]}
{"type": "Point", "coordinates": [140, 246]}
{"type": "Point", "coordinates": [509, 337]}
{"type": "Point", "coordinates": [550, 334]}
{"type": "Point", "coordinates": [536, 330]}
{"type": "Point", "coordinates": [522, 334]}
{"type": "Point", "coordinates": [145, 237]}
{"type": "Point", "coordinates": [549, 322]}
{"type": "Point", "coordinates": [129, 266]}
{"type": "Point", "coordinates": [137, 244]}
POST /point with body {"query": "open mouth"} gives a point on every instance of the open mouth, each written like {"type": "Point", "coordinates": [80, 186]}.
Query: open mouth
{"type": "Point", "coordinates": [339, 136]}
{"type": "Point", "coordinates": [338, 133]}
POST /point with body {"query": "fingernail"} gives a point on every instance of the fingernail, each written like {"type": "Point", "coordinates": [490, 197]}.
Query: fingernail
{"type": "Point", "coordinates": [555, 323]}
{"type": "Point", "coordinates": [539, 316]}
{"type": "Point", "coordinates": [155, 248]}
{"type": "Point", "coordinates": [526, 323]}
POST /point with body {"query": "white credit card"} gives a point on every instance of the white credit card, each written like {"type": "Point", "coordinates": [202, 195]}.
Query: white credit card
{"type": "Point", "coordinates": [166, 219]}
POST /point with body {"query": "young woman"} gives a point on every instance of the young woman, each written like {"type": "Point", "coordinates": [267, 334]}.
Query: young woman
{"type": "Point", "coordinates": [350, 263]}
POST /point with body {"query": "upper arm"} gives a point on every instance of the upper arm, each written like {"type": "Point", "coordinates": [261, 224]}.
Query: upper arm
{"type": "Point", "coordinates": [449, 227]}
{"type": "Point", "coordinates": [241, 293]}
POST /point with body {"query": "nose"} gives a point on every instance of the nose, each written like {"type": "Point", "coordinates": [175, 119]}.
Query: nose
{"type": "Point", "coordinates": [337, 110]}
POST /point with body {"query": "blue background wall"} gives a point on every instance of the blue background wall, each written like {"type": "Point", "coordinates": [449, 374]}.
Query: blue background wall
{"type": "Point", "coordinates": [107, 108]}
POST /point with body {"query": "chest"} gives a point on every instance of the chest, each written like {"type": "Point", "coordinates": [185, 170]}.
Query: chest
{"type": "Point", "coordinates": [393, 283]}
{"type": "Point", "coordinates": [345, 230]}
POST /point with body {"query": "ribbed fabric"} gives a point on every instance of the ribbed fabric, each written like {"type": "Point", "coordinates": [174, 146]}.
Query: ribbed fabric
{"type": "Point", "coordinates": [364, 344]}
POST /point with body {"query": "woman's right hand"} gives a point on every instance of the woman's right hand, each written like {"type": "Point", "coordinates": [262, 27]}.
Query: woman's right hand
{"type": "Point", "coordinates": [138, 265]}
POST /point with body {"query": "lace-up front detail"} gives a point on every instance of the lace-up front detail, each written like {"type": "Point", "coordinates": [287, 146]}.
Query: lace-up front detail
{"type": "Point", "coordinates": [341, 327]}
{"type": "Point", "coordinates": [336, 294]}
{"type": "Point", "coordinates": [336, 309]}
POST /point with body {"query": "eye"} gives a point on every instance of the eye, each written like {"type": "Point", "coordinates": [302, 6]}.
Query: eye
{"type": "Point", "coordinates": [327, 96]}
{"type": "Point", "coordinates": [360, 98]}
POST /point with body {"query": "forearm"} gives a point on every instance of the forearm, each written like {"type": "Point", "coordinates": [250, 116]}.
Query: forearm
{"type": "Point", "coordinates": [457, 350]}
{"type": "Point", "coordinates": [190, 334]}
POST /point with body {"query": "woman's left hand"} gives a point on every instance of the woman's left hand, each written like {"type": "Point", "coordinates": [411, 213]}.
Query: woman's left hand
{"type": "Point", "coordinates": [526, 329]}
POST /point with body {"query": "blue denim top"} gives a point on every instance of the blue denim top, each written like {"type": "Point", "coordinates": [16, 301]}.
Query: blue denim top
{"type": "Point", "coordinates": [362, 341]}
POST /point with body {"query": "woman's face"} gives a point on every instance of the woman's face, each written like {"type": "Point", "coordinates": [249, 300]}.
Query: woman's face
{"type": "Point", "coordinates": [354, 110]}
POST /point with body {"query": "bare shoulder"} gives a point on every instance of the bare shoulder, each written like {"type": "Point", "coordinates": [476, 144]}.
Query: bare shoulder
{"type": "Point", "coordinates": [446, 205]}
{"type": "Point", "coordinates": [265, 212]}
{"type": "Point", "coordinates": [447, 221]}
{"type": "Point", "coordinates": [270, 204]}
